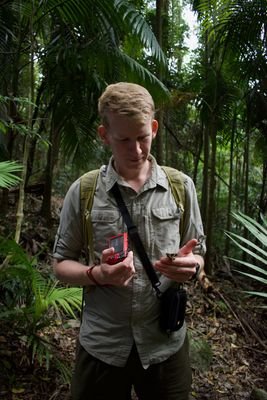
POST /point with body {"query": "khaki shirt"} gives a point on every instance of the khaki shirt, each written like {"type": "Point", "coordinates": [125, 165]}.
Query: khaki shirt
{"type": "Point", "coordinates": [116, 317]}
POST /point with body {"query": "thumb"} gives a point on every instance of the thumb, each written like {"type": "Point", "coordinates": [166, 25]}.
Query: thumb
{"type": "Point", "coordinates": [187, 248]}
{"type": "Point", "coordinates": [107, 253]}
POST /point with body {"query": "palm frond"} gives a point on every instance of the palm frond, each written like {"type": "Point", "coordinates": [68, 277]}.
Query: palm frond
{"type": "Point", "coordinates": [253, 226]}
{"type": "Point", "coordinates": [253, 276]}
{"type": "Point", "coordinates": [40, 350]}
{"type": "Point", "coordinates": [258, 294]}
{"type": "Point", "coordinates": [248, 243]}
{"type": "Point", "coordinates": [139, 26]}
{"type": "Point", "coordinates": [238, 27]}
{"type": "Point", "coordinates": [17, 258]}
{"type": "Point", "coordinates": [251, 266]}
{"type": "Point", "coordinates": [7, 173]}
{"type": "Point", "coordinates": [35, 300]}
{"type": "Point", "coordinates": [64, 369]}
{"type": "Point", "coordinates": [258, 246]}
{"type": "Point", "coordinates": [135, 72]}
{"type": "Point", "coordinates": [66, 300]}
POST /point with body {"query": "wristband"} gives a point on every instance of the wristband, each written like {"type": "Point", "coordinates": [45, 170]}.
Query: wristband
{"type": "Point", "coordinates": [90, 275]}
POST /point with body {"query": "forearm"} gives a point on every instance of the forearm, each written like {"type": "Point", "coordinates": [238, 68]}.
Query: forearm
{"type": "Point", "coordinates": [77, 274]}
{"type": "Point", "coordinates": [72, 272]}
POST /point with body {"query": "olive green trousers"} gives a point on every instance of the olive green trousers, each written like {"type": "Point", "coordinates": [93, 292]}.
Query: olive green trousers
{"type": "Point", "coordinates": [168, 380]}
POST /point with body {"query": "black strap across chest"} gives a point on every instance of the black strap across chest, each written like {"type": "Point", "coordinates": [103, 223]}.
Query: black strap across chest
{"type": "Point", "coordinates": [134, 235]}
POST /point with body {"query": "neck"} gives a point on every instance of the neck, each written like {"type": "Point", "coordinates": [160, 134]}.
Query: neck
{"type": "Point", "coordinates": [136, 178]}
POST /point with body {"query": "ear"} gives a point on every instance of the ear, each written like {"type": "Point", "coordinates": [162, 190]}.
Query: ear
{"type": "Point", "coordinates": [154, 126]}
{"type": "Point", "coordinates": [102, 132]}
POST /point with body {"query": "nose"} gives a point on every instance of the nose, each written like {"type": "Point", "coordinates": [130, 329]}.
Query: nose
{"type": "Point", "coordinates": [136, 148]}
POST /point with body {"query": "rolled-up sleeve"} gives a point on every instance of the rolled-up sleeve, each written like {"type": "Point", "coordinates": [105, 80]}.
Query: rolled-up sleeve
{"type": "Point", "coordinates": [69, 238]}
{"type": "Point", "coordinates": [192, 222]}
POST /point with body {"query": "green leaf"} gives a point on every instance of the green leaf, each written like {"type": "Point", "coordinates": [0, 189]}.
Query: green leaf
{"type": "Point", "coordinates": [7, 173]}
{"type": "Point", "coordinates": [257, 293]}
{"type": "Point", "coordinates": [255, 277]}
{"type": "Point", "coordinates": [252, 266]}
{"type": "Point", "coordinates": [3, 127]}
{"type": "Point", "coordinates": [249, 243]}
{"type": "Point", "coordinates": [254, 249]}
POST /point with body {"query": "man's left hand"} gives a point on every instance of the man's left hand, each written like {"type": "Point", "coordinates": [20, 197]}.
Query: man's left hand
{"type": "Point", "coordinates": [181, 267]}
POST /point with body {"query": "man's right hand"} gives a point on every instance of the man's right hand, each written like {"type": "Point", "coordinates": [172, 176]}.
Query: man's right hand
{"type": "Point", "coordinates": [119, 274]}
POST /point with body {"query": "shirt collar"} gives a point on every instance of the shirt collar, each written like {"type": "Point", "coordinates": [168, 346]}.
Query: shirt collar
{"type": "Point", "coordinates": [157, 177]}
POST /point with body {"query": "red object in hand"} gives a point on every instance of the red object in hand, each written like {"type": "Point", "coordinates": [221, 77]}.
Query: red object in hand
{"type": "Point", "coordinates": [120, 245]}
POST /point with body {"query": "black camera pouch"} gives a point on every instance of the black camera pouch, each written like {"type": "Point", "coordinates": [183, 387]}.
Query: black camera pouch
{"type": "Point", "coordinates": [173, 306]}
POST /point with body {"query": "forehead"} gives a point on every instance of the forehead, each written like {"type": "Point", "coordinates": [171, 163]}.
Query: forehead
{"type": "Point", "coordinates": [135, 122]}
{"type": "Point", "coordinates": [112, 118]}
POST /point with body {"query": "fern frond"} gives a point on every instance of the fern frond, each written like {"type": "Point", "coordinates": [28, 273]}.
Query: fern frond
{"type": "Point", "coordinates": [256, 249]}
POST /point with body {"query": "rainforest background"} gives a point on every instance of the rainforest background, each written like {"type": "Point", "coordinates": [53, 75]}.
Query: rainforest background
{"type": "Point", "coordinates": [56, 58]}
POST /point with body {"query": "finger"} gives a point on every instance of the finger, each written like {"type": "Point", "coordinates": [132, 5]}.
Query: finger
{"type": "Point", "coordinates": [126, 262]}
{"type": "Point", "coordinates": [126, 282]}
{"type": "Point", "coordinates": [187, 248]}
{"type": "Point", "coordinates": [107, 253]}
{"type": "Point", "coordinates": [130, 256]}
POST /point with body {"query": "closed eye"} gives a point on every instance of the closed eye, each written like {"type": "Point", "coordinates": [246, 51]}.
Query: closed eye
{"type": "Point", "coordinates": [142, 138]}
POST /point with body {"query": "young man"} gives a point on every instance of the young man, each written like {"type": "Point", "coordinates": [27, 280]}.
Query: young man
{"type": "Point", "coordinates": [121, 344]}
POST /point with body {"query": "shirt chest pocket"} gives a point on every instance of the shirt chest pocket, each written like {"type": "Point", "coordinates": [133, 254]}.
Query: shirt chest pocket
{"type": "Point", "coordinates": [105, 223]}
{"type": "Point", "coordinates": [165, 228]}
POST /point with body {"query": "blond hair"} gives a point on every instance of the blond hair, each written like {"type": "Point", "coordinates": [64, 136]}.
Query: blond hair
{"type": "Point", "coordinates": [128, 99]}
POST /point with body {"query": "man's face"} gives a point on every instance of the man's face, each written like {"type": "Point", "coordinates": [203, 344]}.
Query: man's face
{"type": "Point", "coordinates": [130, 140]}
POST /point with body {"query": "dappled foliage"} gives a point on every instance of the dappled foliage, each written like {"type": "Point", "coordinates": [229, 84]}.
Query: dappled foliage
{"type": "Point", "coordinates": [56, 58]}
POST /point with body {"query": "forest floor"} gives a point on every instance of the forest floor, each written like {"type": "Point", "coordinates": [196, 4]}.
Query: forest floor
{"type": "Point", "coordinates": [227, 331]}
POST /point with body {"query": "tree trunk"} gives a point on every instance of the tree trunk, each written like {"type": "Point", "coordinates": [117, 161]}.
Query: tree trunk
{"type": "Point", "coordinates": [53, 150]}
{"type": "Point", "coordinates": [205, 183]}
{"type": "Point", "coordinates": [229, 206]}
{"type": "Point", "coordinates": [34, 140]}
{"type": "Point", "coordinates": [211, 198]}
{"type": "Point", "coordinates": [246, 171]}
{"type": "Point", "coordinates": [20, 207]}
{"type": "Point", "coordinates": [161, 16]}
{"type": "Point", "coordinates": [197, 155]}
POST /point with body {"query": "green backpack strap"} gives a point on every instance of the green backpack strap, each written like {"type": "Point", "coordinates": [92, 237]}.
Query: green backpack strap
{"type": "Point", "coordinates": [176, 182]}
{"type": "Point", "coordinates": [88, 183]}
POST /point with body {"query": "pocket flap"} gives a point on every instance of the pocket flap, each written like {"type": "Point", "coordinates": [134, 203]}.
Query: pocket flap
{"type": "Point", "coordinates": [166, 213]}
{"type": "Point", "coordinates": [105, 216]}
